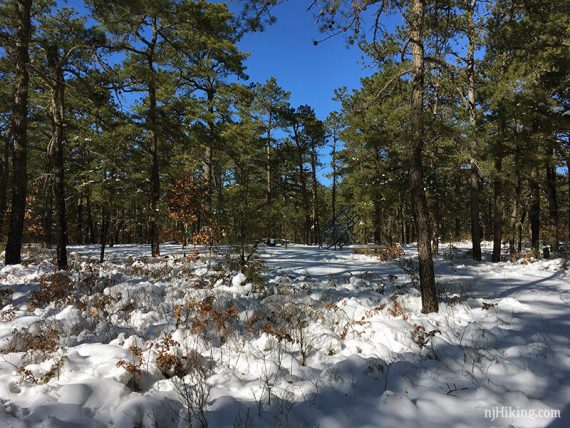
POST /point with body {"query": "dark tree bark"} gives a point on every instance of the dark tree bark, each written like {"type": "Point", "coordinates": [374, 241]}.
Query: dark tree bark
{"type": "Point", "coordinates": [498, 191]}
{"type": "Point", "coordinates": [334, 173]}
{"type": "Point", "coordinates": [47, 218]}
{"type": "Point", "coordinates": [209, 154]}
{"type": "Point", "coordinates": [568, 178]}
{"type": "Point", "coordinates": [155, 175]}
{"type": "Point", "coordinates": [268, 182]}
{"type": "Point", "coordinates": [488, 221]}
{"type": "Point", "coordinates": [4, 174]}
{"type": "Point", "coordinates": [520, 230]}
{"type": "Point", "coordinates": [118, 229]}
{"type": "Point", "coordinates": [19, 133]}
{"type": "Point", "coordinates": [377, 222]}
{"type": "Point", "coordinates": [79, 219]}
{"type": "Point", "coordinates": [316, 228]}
{"type": "Point", "coordinates": [305, 197]}
{"type": "Point", "coordinates": [270, 227]}
{"type": "Point", "coordinates": [515, 213]}
{"type": "Point", "coordinates": [55, 153]}
{"type": "Point", "coordinates": [437, 229]}
{"type": "Point", "coordinates": [497, 211]}
{"type": "Point", "coordinates": [111, 232]}
{"type": "Point", "coordinates": [457, 228]}
{"type": "Point", "coordinates": [402, 224]}
{"type": "Point", "coordinates": [90, 222]}
{"type": "Point", "coordinates": [551, 179]}
{"type": "Point", "coordinates": [419, 202]}
{"type": "Point", "coordinates": [104, 230]}
{"type": "Point", "coordinates": [534, 212]}
{"type": "Point", "coordinates": [152, 126]}
{"type": "Point", "coordinates": [474, 173]}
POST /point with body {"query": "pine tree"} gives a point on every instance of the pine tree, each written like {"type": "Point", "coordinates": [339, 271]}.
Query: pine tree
{"type": "Point", "coordinates": [6, 83]}
{"type": "Point", "coordinates": [138, 28]}
{"type": "Point", "coordinates": [334, 126]}
{"type": "Point", "coordinates": [21, 13]}
{"type": "Point", "coordinates": [269, 101]}
{"type": "Point", "coordinates": [61, 54]}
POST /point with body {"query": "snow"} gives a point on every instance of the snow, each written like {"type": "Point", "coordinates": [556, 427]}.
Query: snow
{"type": "Point", "coordinates": [332, 339]}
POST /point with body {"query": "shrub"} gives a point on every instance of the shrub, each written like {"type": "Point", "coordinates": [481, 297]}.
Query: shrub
{"type": "Point", "coordinates": [396, 310]}
{"type": "Point", "coordinates": [56, 287]}
{"type": "Point", "coordinates": [167, 361]}
{"type": "Point", "coordinates": [421, 337]}
{"type": "Point", "coordinates": [390, 253]}
{"type": "Point", "coordinates": [134, 367]}
{"type": "Point", "coordinates": [202, 316]}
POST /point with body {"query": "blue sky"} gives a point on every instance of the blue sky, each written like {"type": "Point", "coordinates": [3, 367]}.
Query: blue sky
{"type": "Point", "coordinates": [311, 73]}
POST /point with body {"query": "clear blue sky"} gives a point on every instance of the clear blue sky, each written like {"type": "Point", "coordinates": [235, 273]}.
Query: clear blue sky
{"type": "Point", "coordinates": [311, 73]}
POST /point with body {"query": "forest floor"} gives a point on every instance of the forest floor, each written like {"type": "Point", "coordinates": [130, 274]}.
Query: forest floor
{"type": "Point", "coordinates": [307, 337]}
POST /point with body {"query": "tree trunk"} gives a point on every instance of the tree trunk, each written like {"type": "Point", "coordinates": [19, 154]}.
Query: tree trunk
{"type": "Point", "coordinates": [515, 213]}
{"type": "Point", "coordinates": [104, 229]}
{"type": "Point", "coordinates": [551, 178]}
{"type": "Point", "coordinates": [514, 219]}
{"type": "Point", "coordinates": [209, 176]}
{"type": "Point", "coordinates": [154, 172]}
{"type": "Point", "coordinates": [568, 178]}
{"type": "Point", "coordinates": [55, 153]}
{"type": "Point", "coordinates": [488, 230]}
{"type": "Point", "coordinates": [498, 192]}
{"type": "Point", "coordinates": [4, 173]}
{"type": "Point", "coordinates": [520, 230]}
{"type": "Point", "coordinates": [268, 189]}
{"type": "Point", "coordinates": [111, 232]}
{"type": "Point", "coordinates": [315, 209]}
{"type": "Point", "coordinates": [19, 134]}
{"type": "Point", "coordinates": [90, 223]}
{"type": "Point", "coordinates": [419, 202]}
{"type": "Point", "coordinates": [437, 229]}
{"type": "Point", "coordinates": [457, 228]}
{"type": "Point", "coordinates": [333, 202]}
{"type": "Point", "coordinates": [474, 175]}
{"type": "Point", "coordinates": [208, 155]}
{"type": "Point", "coordinates": [334, 178]}
{"type": "Point", "coordinates": [152, 126]}
{"type": "Point", "coordinates": [497, 211]}
{"type": "Point", "coordinates": [377, 222]}
{"type": "Point", "coordinates": [47, 218]}
{"type": "Point", "coordinates": [79, 227]}
{"type": "Point", "coordinates": [402, 224]}
{"type": "Point", "coordinates": [305, 197]}
{"type": "Point", "coordinates": [534, 212]}
{"type": "Point", "coordinates": [118, 229]}
{"type": "Point", "coordinates": [270, 226]}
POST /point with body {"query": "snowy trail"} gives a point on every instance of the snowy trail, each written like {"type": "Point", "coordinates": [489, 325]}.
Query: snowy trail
{"type": "Point", "coordinates": [321, 264]}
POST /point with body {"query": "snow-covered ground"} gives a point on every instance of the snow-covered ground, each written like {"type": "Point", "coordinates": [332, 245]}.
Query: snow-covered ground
{"type": "Point", "coordinates": [315, 338]}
